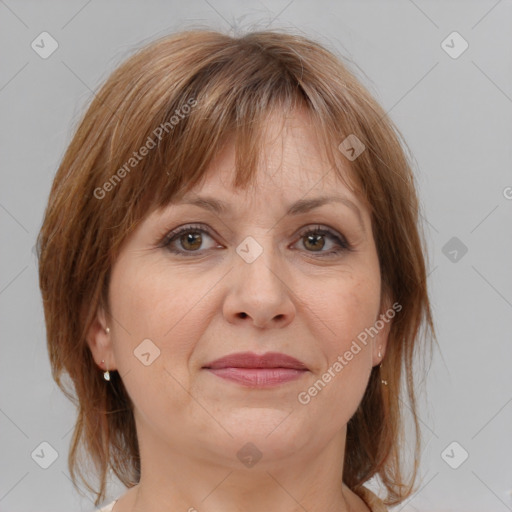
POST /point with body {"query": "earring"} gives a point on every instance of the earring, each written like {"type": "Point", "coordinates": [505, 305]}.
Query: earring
{"type": "Point", "coordinates": [106, 374]}
{"type": "Point", "coordinates": [385, 382]}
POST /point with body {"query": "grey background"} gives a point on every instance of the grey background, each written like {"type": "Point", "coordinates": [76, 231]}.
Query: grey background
{"type": "Point", "coordinates": [456, 115]}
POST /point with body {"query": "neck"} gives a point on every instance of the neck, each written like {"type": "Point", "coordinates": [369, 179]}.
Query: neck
{"type": "Point", "coordinates": [182, 479]}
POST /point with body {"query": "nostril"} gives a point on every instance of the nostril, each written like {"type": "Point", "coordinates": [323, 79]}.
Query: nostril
{"type": "Point", "coordinates": [243, 315]}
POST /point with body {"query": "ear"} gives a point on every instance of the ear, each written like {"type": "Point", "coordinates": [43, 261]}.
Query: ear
{"type": "Point", "coordinates": [388, 311]}
{"type": "Point", "coordinates": [100, 342]}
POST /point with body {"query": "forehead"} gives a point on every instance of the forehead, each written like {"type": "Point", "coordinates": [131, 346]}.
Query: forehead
{"type": "Point", "coordinates": [293, 176]}
{"type": "Point", "coordinates": [292, 162]}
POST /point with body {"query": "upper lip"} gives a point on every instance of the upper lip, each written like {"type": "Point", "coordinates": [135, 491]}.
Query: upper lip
{"type": "Point", "coordinates": [252, 360]}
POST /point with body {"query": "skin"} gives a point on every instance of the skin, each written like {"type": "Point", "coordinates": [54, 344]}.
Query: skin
{"type": "Point", "coordinates": [191, 423]}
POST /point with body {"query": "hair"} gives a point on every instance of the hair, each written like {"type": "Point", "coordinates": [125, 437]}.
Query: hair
{"type": "Point", "coordinates": [107, 184]}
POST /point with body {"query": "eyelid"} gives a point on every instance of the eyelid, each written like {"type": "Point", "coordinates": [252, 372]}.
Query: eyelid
{"type": "Point", "coordinates": [169, 235]}
{"type": "Point", "coordinates": [342, 242]}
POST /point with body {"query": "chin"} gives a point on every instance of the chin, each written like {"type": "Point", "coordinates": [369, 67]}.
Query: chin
{"type": "Point", "coordinates": [273, 430]}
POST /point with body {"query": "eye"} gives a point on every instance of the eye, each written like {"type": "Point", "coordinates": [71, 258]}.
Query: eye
{"type": "Point", "coordinates": [189, 238]}
{"type": "Point", "coordinates": [314, 239]}
{"type": "Point", "coordinates": [186, 240]}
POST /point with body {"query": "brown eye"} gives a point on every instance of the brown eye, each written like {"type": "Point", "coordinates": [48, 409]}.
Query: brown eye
{"type": "Point", "coordinates": [314, 242]}
{"type": "Point", "coordinates": [187, 239]}
{"type": "Point", "coordinates": [191, 241]}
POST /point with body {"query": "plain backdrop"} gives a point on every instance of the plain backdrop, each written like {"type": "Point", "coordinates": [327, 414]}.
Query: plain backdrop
{"type": "Point", "coordinates": [454, 107]}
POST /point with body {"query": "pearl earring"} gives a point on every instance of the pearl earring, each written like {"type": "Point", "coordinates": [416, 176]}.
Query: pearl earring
{"type": "Point", "coordinates": [106, 375]}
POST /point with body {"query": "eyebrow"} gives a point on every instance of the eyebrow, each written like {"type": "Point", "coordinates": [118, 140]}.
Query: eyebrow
{"type": "Point", "coordinates": [297, 208]}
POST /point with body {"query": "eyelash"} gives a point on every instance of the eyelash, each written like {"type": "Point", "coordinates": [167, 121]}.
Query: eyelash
{"type": "Point", "coordinates": [343, 245]}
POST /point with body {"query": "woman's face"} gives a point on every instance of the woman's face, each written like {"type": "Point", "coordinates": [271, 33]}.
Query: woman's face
{"type": "Point", "coordinates": [251, 278]}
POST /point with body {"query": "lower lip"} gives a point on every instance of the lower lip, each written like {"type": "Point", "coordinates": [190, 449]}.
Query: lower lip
{"type": "Point", "coordinates": [258, 377]}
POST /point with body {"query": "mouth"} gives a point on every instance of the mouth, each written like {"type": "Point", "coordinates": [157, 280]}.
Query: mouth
{"type": "Point", "coordinates": [255, 370]}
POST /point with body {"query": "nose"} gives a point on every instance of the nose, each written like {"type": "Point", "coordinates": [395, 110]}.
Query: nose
{"type": "Point", "coordinates": [259, 294]}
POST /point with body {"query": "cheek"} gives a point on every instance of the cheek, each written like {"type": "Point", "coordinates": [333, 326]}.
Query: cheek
{"type": "Point", "coordinates": [150, 302]}
{"type": "Point", "coordinates": [142, 297]}
{"type": "Point", "coordinates": [345, 307]}
{"type": "Point", "coordinates": [344, 311]}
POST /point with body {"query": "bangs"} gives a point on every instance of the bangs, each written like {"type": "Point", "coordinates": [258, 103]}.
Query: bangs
{"type": "Point", "coordinates": [225, 113]}
{"type": "Point", "coordinates": [227, 99]}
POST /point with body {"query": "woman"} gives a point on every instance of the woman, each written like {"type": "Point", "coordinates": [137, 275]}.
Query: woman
{"type": "Point", "coordinates": [234, 280]}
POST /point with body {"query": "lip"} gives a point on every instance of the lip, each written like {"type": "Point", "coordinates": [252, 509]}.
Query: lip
{"type": "Point", "coordinates": [252, 360]}
{"type": "Point", "coordinates": [253, 370]}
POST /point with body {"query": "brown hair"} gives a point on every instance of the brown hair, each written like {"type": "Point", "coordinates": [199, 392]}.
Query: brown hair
{"type": "Point", "coordinates": [104, 187]}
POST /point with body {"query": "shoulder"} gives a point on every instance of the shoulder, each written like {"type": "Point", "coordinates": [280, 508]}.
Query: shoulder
{"type": "Point", "coordinates": [108, 508]}
{"type": "Point", "coordinates": [375, 504]}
